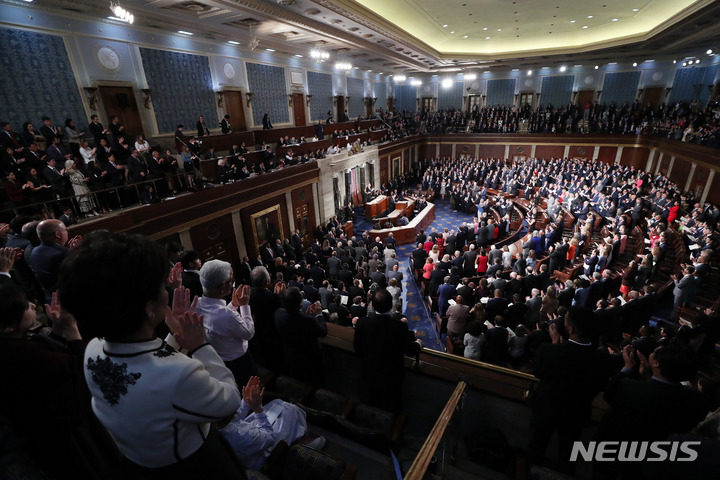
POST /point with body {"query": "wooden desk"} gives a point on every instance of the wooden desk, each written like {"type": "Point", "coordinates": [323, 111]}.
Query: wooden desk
{"type": "Point", "coordinates": [406, 234]}
{"type": "Point", "coordinates": [375, 207]}
{"type": "Point", "coordinates": [401, 208]}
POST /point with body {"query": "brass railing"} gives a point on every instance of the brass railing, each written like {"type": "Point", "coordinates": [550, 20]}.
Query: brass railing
{"type": "Point", "coordinates": [446, 420]}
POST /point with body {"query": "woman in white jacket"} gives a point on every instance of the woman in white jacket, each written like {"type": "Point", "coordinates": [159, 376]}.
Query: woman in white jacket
{"type": "Point", "coordinates": [156, 397]}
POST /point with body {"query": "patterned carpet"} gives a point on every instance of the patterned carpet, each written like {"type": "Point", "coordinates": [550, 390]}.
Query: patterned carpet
{"type": "Point", "coordinates": [416, 310]}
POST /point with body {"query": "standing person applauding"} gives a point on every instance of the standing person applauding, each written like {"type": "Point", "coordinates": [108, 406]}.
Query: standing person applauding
{"type": "Point", "coordinates": [157, 398]}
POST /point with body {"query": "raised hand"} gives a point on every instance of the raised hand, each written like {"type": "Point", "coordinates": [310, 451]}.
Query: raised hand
{"type": "Point", "coordinates": [63, 323]}
{"type": "Point", "coordinates": [191, 332]}
{"type": "Point", "coordinates": [241, 295]}
{"type": "Point", "coordinates": [252, 393]}
{"type": "Point", "coordinates": [175, 276]}
{"type": "Point", "coordinates": [7, 259]}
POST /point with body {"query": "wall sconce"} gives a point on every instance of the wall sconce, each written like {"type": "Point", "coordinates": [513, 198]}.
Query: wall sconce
{"type": "Point", "coordinates": [92, 99]}
{"type": "Point", "coordinates": [366, 101]}
{"type": "Point", "coordinates": [307, 100]}
{"type": "Point", "coordinates": [374, 100]}
{"type": "Point", "coordinates": [335, 100]}
{"type": "Point", "coordinates": [220, 95]}
{"type": "Point", "coordinates": [347, 100]}
{"type": "Point", "coordinates": [148, 98]}
{"type": "Point", "coordinates": [249, 96]}
{"type": "Point", "coordinates": [290, 100]}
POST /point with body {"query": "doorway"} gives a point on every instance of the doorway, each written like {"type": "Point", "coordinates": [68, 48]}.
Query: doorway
{"type": "Point", "coordinates": [585, 97]}
{"type": "Point", "coordinates": [298, 102]}
{"type": "Point", "coordinates": [526, 98]}
{"type": "Point", "coordinates": [340, 108]}
{"type": "Point", "coordinates": [653, 96]}
{"type": "Point", "coordinates": [235, 108]}
{"type": "Point", "coordinates": [428, 104]}
{"type": "Point", "coordinates": [120, 101]}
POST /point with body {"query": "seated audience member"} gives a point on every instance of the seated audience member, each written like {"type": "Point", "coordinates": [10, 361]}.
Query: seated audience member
{"type": "Point", "coordinates": [157, 398]}
{"type": "Point", "coordinates": [60, 435]}
{"type": "Point", "coordinates": [253, 436]}
{"type": "Point", "coordinates": [229, 325]}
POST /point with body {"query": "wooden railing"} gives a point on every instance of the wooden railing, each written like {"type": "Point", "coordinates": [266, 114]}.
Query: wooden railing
{"type": "Point", "coordinates": [422, 460]}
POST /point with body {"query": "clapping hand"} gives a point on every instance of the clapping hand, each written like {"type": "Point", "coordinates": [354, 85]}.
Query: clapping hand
{"type": "Point", "coordinates": [252, 393]}
{"type": "Point", "coordinates": [75, 241]}
{"type": "Point", "coordinates": [7, 259]}
{"type": "Point", "coordinates": [180, 306]}
{"type": "Point", "coordinates": [554, 333]}
{"type": "Point", "coordinates": [175, 276]}
{"type": "Point", "coordinates": [63, 323]}
{"type": "Point", "coordinates": [241, 296]}
{"type": "Point", "coordinates": [191, 333]}
{"type": "Point", "coordinates": [314, 309]}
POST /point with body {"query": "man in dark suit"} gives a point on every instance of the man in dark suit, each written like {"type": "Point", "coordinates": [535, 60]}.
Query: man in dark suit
{"type": "Point", "coordinates": [419, 256]}
{"type": "Point", "coordinates": [319, 131]}
{"type": "Point", "coordinates": [191, 264]}
{"type": "Point", "coordinates": [640, 409]}
{"type": "Point", "coordinates": [45, 259]}
{"type": "Point", "coordinates": [571, 373]}
{"type": "Point", "coordinates": [225, 124]}
{"type": "Point", "coordinates": [299, 334]}
{"type": "Point", "coordinates": [97, 130]}
{"type": "Point", "coordinates": [265, 346]}
{"type": "Point", "coordinates": [382, 341]}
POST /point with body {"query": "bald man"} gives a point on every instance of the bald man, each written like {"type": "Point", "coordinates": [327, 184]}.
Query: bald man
{"type": "Point", "coordinates": [45, 259]}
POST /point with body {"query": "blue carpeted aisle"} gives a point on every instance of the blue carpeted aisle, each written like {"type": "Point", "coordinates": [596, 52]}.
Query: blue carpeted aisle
{"type": "Point", "coordinates": [416, 309]}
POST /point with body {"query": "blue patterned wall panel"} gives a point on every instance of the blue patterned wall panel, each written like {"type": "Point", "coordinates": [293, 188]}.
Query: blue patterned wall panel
{"type": "Point", "coordinates": [181, 86]}
{"type": "Point", "coordinates": [691, 84]}
{"type": "Point", "coordinates": [355, 90]}
{"type": "Point", "coordinates": [500, 92]}
{"type": "Point", "coordinates": [620, 87]}
{"type": "Point", "coordinates": [450, 97]}
{"type": "Point", "coordinates": [557, 91]}
{"type": "Point", "coordinates": [381, 95]}
{"type": "Point", "coordinates": [42, 82]}
{"type": "Point", "coordinates": [405, 97]}
{"type": "Point", "coordinates": [320, 87]}
{"type": "Point", "coordinates": [269, 93]}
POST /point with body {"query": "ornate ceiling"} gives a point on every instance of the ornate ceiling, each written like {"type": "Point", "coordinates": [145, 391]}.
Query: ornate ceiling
{"type": "Point", "coordinates": [392, 36]}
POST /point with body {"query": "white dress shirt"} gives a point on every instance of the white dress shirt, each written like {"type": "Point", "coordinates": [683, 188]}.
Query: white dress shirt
{"type": "Point", "coordinates": [226, 329]}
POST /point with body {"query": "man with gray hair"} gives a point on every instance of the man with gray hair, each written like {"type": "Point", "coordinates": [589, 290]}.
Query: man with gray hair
{"type": "Point", "coordinates": [265, 345]}
{"type": "Point", "coordinates": [228, 326]}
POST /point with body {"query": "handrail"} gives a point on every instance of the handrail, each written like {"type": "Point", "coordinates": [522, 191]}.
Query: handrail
{"type": "Point", "coordinates": [422, 460]}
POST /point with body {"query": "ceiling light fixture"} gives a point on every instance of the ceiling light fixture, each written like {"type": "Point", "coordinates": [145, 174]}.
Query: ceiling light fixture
{"type": "Point", "coordinates": [572, 21]}
{"type": "Point", "coordinates": [697, 61]}
{"type": "Point", "coordinates": [614, 19]}
{"type": "Point", "coordinates": [298, 55]}
{"type": "Point", "coordinates": [447, 83]}
{"type": "Point", "coordinates": [415, 83]}
{"type": "Point", "coordinates": [452, 32]}
{"type": "Point", "coordinates": [319, 55]}
{"type": "Point", "coordinates": [596, 67]}
{"type": "Point", "coordinates": [709, 52]}
{"type": "Point", "coordinates": [487, 38]}
{"type": "Point", "coordinates": [634, 64]}
{"type": "Point", "coordinates": [445, 26]}
{"type": "Point", "coordinates": [563, 68]}
{"type": "Point", "coordinates": [585, 26]}
{"type": "Point", "coordinates": [590, 16]}
{"type": "Point", "coordinates": [270, 49]}
{"type": "Point", "coordinates": [183, 32]}
{"type": "Point", "coordinates": [233, 42]}
{"type": "Point", "coordinates": [529, 72]}
{"type": "Point", "coordinates": [674, 61]}
{"type": "Point", "coordinates": [121, 13]}
{"type": "Point", "coordinates": [343, 66]}
{"type": "Point", "coordinates": [636, 9]}
{"type": "Point", "coordinates": [469, 76]}
{"type": "Point", "coordinates": [399, 78]}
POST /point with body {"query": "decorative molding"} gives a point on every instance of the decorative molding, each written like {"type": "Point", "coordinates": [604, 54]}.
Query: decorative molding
{"type": "Point", "coordinates": [248, 97]}
{"type": "Point", "coordinates": [220, 95]}
{"type": "Point", "coordinates": [307, 100]}
{"type": "Point", "coordinates": [148, 98]}
{"type": "Point", "coordinates": [92, 97]}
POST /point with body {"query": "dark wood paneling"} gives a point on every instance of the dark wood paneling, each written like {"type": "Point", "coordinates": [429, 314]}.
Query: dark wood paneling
{"type": "Point", "coordinates": [635, 156]}
{"type": "Point", "coordinates": [235, 107]}
{"type": "Point", "coordinates": [585, 97]}
{"type": "Point", "coordinates": [120, 101]}
{"type": "Point", "coordinates": [607, 154]}
{"type": "Point", "coordinates": [215, 239]}
{"type": "Point", "coordinates": [581, 151]}
{"type": "Point", "coordinates": [445, 150]}
{"type": "Point", "coordinates": [487, 151]}
{"type": "Point", "coordinates": [520, 149]}
{"type": "Point", "coordinates": [714, 193]}
{"type": "Point", "coordinates": [303, 203]}
{"type": "Point", "coordinates": [465, 149]}
{"type": "Point", "coordinates": [680, 172]}
{"type": "Point", "coordinates": [298, 102]}
{"type": "Point", "coordinates": [549, 151]}
{"type": "Point", "coordinates": [384, 165]}
{"type": "Point", "coordinates": [699, 180]}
